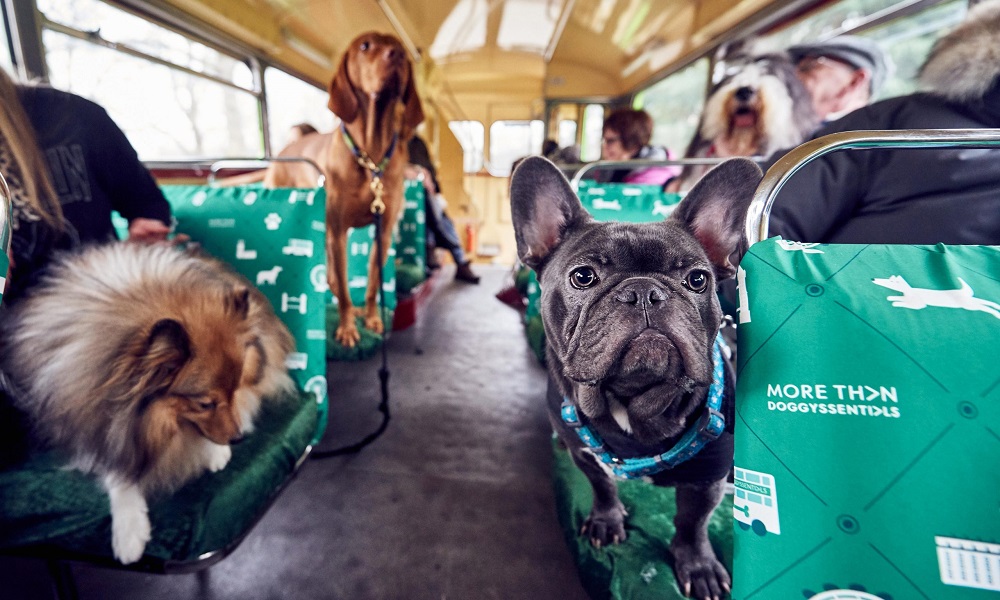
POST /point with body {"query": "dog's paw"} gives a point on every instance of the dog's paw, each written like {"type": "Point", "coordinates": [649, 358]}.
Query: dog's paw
{"type": "Point", "coordinates": [218, 457]}
{"type": "Point", "coordinates": [347, 335]}
{"type": "Point", "coordinates": [374, 324]}
{"type": "Point", "coordinates": [130, 527]}
{"type": "Point", "coordinates": [700, 575]}
{"type": "Point", "coordinates": [605, 528]}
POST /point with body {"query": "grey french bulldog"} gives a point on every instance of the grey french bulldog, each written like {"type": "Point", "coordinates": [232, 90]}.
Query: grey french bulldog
{"type": "Point", "coordinates": [638, 386]}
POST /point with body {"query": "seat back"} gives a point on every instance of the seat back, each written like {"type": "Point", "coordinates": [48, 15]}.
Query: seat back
{"type": "Point", "coordinates": [274, 238]}
{"type": "Point", "coordinates": [868, 402]}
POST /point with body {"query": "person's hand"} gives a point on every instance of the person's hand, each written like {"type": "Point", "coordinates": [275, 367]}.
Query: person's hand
{"type": "Point", "coordinates": [147, 231]}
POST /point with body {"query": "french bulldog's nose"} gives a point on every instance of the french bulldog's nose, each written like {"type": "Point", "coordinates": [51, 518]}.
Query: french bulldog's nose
{"type": "Point", "coordinates": [641, 293]}
{"type": "Point", "coordinates": [744, 93]}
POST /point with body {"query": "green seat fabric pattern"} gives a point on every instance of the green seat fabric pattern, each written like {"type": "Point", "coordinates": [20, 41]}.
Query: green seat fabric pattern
{"type": "Point", "coordinates": [868, 422]}
{"type": "Point", "coordinates": [628, 202]}
{"type": "Point", "coordinates": [274, 238]}
{"type": "Point", "coordinates": [640, 567]}
{"type": "Point", "coordinates": [411, 238]}
{"type": "Point", "coordinates": [4, 264]}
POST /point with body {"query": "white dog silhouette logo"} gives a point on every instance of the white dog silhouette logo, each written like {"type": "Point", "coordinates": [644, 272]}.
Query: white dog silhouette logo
{"type": "Point", "coordinates": [918, 298]}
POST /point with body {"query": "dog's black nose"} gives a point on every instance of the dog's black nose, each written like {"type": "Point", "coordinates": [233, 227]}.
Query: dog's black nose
{"type": "Point", "coordinates": [744, 93]}
{"type": "Point", "coordinates": [641, 293]}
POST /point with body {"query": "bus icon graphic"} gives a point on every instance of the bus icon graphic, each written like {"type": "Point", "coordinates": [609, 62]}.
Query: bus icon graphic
{"type": "Point", "coordinates": [755, 503]}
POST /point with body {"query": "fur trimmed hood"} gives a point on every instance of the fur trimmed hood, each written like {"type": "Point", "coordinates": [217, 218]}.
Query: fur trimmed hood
{"type": "Point", "coordinates": [965, 64]}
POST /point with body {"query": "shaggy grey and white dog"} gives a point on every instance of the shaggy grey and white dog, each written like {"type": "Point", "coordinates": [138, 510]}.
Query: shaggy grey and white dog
{"type": "Point", "coordinates": [758, 108]}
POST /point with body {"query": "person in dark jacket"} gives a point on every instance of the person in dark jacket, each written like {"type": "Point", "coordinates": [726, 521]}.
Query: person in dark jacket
{"type": "Point", "coordinates": [441, 231]}
{"type": "Point", "coordinates": [913, 196]}
{"type": "Point", "coordinates": [92, 169]}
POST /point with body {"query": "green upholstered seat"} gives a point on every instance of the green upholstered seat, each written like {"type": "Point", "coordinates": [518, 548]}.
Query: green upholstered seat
{"type": "Point", "coordinates": [640, 567]}
{"type": "Point", "coordinates": [54, 512]}
{"type": "Point", "coordinates": [868, 422]}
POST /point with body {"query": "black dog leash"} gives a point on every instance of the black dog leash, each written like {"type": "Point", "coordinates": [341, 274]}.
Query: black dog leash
{"type": "Point", "coordinates": [378, 209]}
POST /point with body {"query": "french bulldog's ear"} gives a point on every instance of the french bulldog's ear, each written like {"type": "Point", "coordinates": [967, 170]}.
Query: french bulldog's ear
{"type": "Point", "coordinates": [715, 209]}
{"type": "Point", "coordinates": [543, 207]}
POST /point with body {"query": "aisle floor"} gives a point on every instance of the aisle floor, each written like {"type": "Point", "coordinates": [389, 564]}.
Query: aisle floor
{"type": "Point", "coordinates": [453, 501]}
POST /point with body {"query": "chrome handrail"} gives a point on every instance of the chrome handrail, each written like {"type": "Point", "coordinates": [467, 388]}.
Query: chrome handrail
{"type": "Point", "coordinates": [251, 163]}
{"type": "Point", "coordinates": [756, 225]}
{"type": "Point", "coordinates": [643, 164]}
{"type": "Point", "coordinates": [214, 165]}
{"type": "Point", "coordinates": [6, 225]}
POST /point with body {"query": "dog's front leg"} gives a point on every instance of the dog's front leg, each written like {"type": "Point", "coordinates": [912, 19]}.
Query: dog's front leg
{"type": "Point", "coordinates": [336, 259]}
{"type": "Point", "coordinates": [130, 527]}
{"type": "Point", "coordinates": [698, 571]}
{"type": "Point", "coordinates": [606, 523]}
{"type": "Point", "coordinates": [373, 320]}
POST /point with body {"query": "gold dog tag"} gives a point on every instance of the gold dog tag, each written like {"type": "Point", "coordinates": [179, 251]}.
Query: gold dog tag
{"type": "Point", "coordinates": [378, 207]}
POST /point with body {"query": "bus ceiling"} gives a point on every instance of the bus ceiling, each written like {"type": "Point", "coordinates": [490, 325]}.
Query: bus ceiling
{"type": "Point", "coordinates": [505, 54]}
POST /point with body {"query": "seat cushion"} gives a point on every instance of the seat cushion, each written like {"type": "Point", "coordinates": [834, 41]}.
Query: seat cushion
{"type": "Point", "coordinates": [639, 567]}
{"type": "Point", "coordinates": [54, 511]}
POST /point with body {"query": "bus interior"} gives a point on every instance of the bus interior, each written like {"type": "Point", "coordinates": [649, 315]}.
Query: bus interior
{"type": "Point", "coordinates": [456, 498]}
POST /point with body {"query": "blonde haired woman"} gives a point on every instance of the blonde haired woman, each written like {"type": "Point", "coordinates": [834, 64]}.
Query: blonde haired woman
{"type": "Point", "coordinates": [36, 218]}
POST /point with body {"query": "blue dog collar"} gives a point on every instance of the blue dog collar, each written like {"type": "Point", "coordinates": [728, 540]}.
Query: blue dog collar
{"type": "Point", "coordinates": [709, 427]}
{"type": "Point", "coordinates": [362, 157]}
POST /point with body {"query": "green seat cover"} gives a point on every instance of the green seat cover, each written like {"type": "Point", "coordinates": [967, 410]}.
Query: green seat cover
{"type": "Point", "coordinates": [49, 510]}
{"type": "Point", "coordinates": [868, 422]}
{"type": "Point", "coordinates": [267, 235]}
{"type": "Point", "coordinates": [4, 264]}
{"type": "Point", "coordinates": [411, 239]}
{"type": "Point", "coordinates": [640, 567]}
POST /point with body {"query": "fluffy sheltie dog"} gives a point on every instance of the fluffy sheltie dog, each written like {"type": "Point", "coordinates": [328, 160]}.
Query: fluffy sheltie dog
{"type": "Point", "coordinates": [758, 108]}
{"type": "Point", "coordinates": [143, 364]}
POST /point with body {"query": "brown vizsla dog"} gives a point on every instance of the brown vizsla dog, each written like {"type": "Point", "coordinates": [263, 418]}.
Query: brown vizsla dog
{"type": "Point", "coordinates": [374, 96]}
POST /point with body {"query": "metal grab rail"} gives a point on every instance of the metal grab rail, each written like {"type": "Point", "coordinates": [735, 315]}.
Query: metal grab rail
{"type": "Point", "coordinates": [756, 225]}
{"type": "Point", "coordinates": [250, 163]}
{"type": "Point", "coordinates": [6, 214]}
{"type": "Point", "coordinates": [214, 165]}
{"type": "Point", "coordinates": [643, 164]}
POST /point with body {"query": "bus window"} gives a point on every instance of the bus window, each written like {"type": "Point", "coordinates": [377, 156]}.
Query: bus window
{"type": "Point", "coordinates": [593, 125]}
{"type": "Point", "coordinates": [183, 99]}
{"type": "Point", "coordinates": [511, 140]}
{"type": "Point", "coordinates": [291, 101]}
{"type": "Point", "coordinates": [6, 62]}
{"type": "Point", "coordinates": [567, 133]}
{"type": "Point", "coordinates": [906, 39]}
{"type": "Point", "coordinates": [675, 103]}
{"type": "Point", "coordinates": [471, 135]}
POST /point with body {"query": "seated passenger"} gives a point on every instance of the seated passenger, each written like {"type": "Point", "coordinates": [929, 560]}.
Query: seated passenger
{"type": "Point", "coordinates": [912, 196]}
{"type": "Point", "coordinates": [841, 74]}
{"type": "Point", "coordinates": [626, 136]}
{"type": "Point", "coordinates": [92, 170]}
{"type": "Point", "coordinates": [441, 231]}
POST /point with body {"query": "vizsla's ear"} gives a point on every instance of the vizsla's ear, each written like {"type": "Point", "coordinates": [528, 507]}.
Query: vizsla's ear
{"type": "Point", "coordinates": [413, 113]}
{"type": "Point", "coordinates": [343, 102]}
